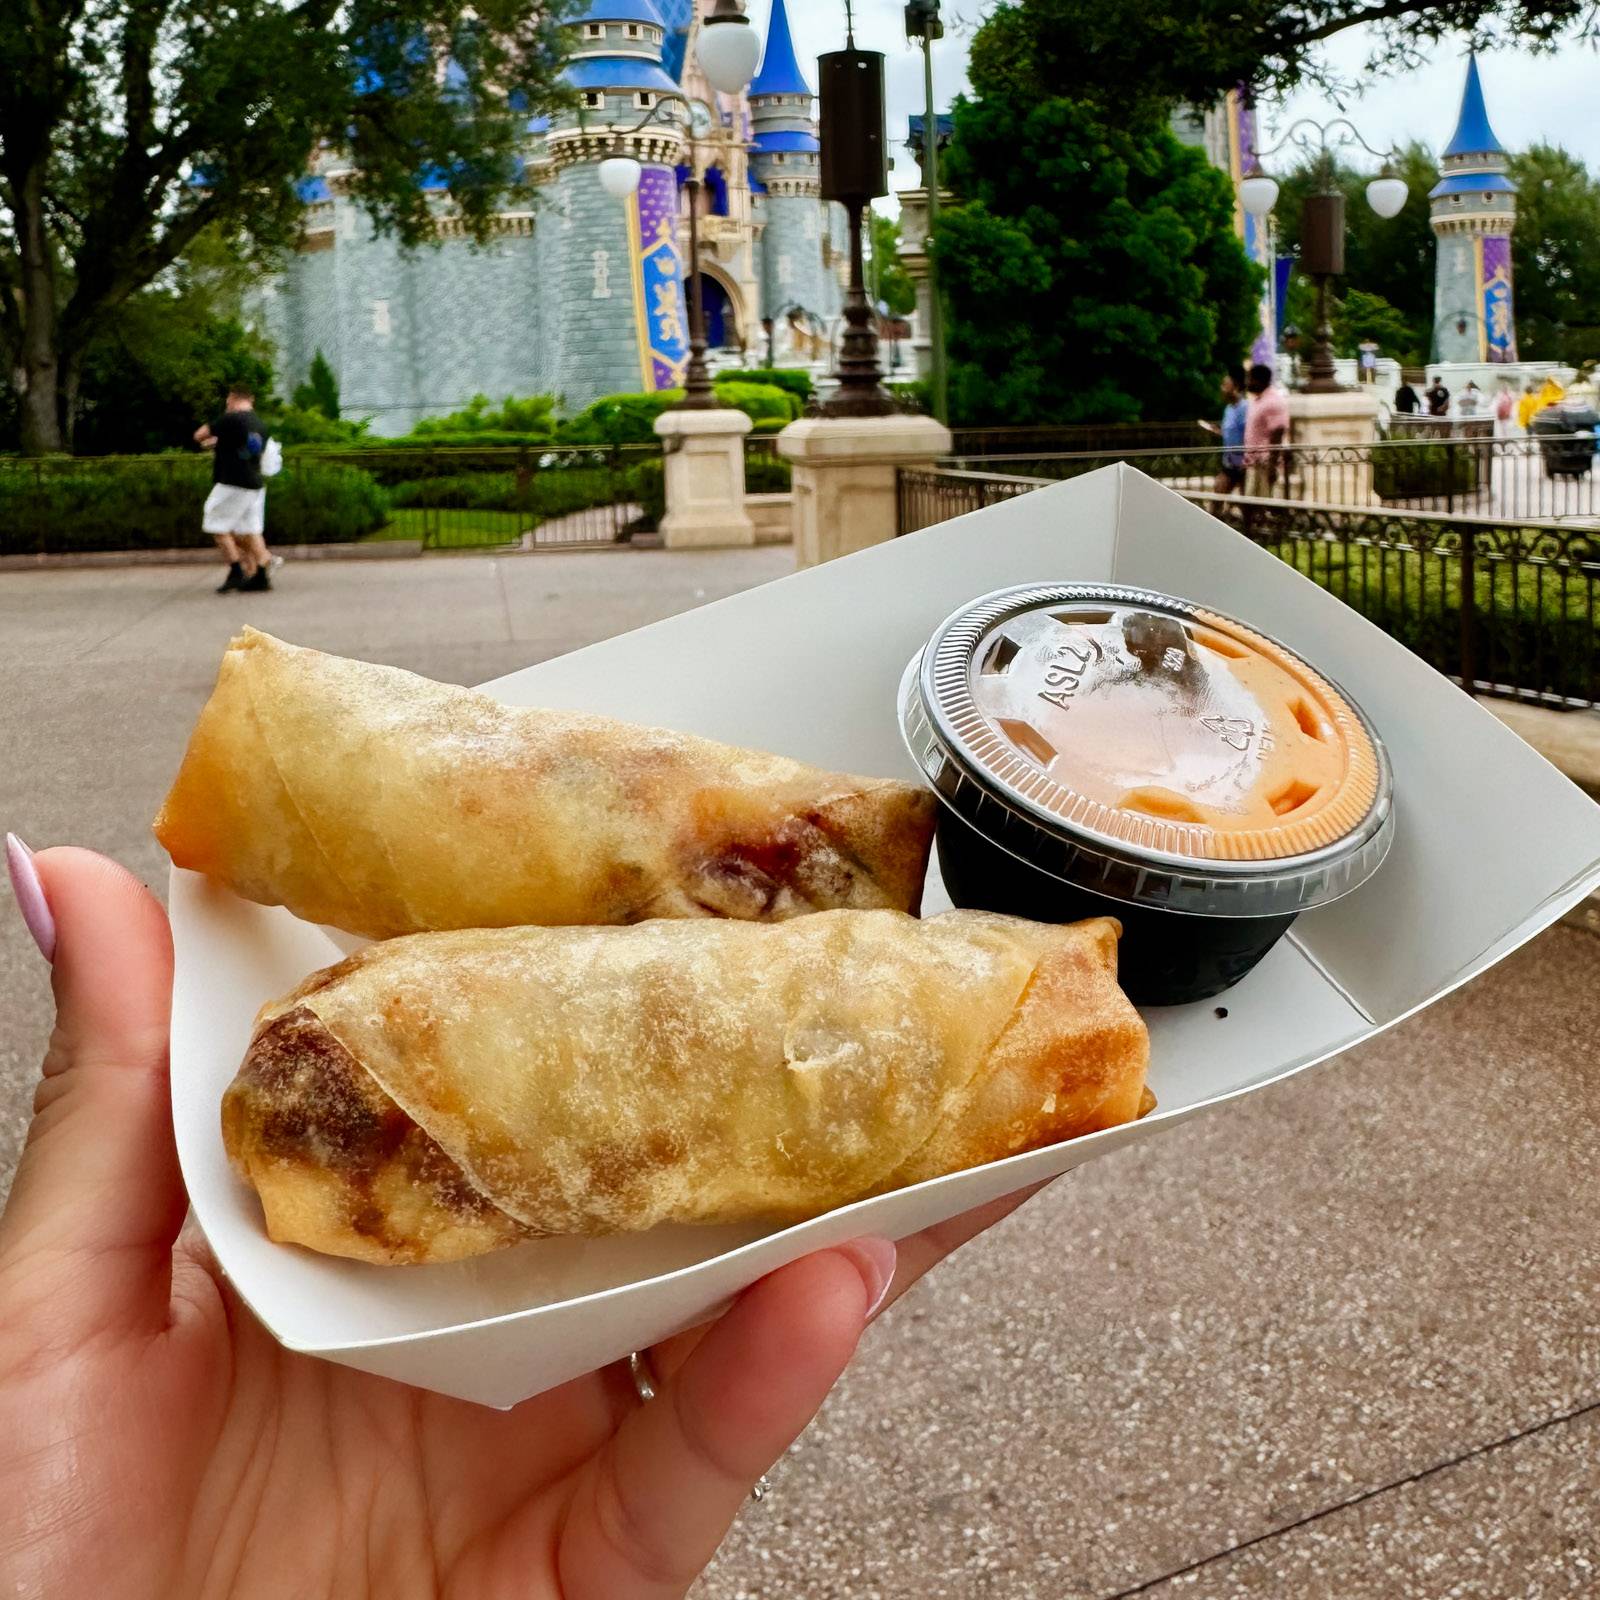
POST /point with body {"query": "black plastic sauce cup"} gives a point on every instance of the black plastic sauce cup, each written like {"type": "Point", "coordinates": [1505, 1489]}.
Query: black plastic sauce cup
{"type": "Point", "coordinates": [1100, 750]}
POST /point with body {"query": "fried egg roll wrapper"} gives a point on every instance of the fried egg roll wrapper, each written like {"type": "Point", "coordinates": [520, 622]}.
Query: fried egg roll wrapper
{"type": "Point", "coordinates": [438, 1096]}
{"type": "Point", "coordinates": [383, 803]}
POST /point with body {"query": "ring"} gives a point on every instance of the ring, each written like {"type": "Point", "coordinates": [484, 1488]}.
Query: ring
{"type": "Point", "coordinates": [644, 1385]}
{"type": "Point", "coordinates": [644, 1381]}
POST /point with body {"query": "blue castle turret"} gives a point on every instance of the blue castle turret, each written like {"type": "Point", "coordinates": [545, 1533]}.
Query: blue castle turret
{"type": "Point", "coordinates": [1474, 208]}
{"type": "Point", "coordinates": [621, 323]}
{"type": "Point", "coordinates": [799, 277]}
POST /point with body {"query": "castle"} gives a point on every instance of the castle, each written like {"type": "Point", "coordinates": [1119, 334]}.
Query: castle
{"type": "Point", "coordinates": [579, 294]}
{"type": "Point", "coordinates": [1473, 209]}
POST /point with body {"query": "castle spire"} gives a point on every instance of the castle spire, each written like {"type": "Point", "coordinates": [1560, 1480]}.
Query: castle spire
{"type": "Point", "coordinates": [1473, 135]}
{"type": "Point", "coordinates": [780, 67]}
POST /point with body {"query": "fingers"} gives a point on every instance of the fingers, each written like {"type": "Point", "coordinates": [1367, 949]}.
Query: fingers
{"type": "Point", "coordinates": [98, 1199]}
{"type": "Point", "coordinates": [654, 1505]}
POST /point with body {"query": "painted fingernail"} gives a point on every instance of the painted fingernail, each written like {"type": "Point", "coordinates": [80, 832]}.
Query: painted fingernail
{"type": "Point", "coordinates": [29, 891]}
{"type": "Point", "coordinates": [874, 1259]}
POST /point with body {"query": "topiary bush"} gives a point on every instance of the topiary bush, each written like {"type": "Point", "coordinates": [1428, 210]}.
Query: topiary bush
{"type": "Point", "coordinates": [153, 503]}
{"type": "Point", "coordinates": [795, 380]}
{"type": "Point", "coordinates": [631, 418]}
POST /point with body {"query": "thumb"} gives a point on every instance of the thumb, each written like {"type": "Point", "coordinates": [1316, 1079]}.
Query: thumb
{"type": "Point", "coordinates": [650, 1510]}
{"type": "Point", "coordinates": [98, 1199]}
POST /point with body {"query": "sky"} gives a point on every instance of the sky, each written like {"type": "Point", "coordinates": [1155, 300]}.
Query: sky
{"type": "Point", "coordinates": [1530, 97]}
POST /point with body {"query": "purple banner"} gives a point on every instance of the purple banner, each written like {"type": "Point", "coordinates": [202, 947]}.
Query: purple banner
{"type": "Point", "coordinates": [660, 313]}
{"type": "Point", "coordinates": [1499, 327]}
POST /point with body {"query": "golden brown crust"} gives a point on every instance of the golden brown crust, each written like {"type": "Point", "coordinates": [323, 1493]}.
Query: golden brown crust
{"type": "Point", "coordinates": [482, 1086]}
{"type": "Point", "coordinates": [335, 1158]}
{"type": "Point", "coordinates": [374, 800]}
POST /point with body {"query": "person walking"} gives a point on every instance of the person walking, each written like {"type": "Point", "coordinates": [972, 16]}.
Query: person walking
{"type": "Point", "coordinates": [1405, 398]}
{"type": "Point", "coordinates": [235, 510]}
{"type": "Point", "coordinates": [1438, 398]}
{"type": "Point", "coordinates": [1235, 413]}
{"type": "Point", "coordinates": [1266, 427]}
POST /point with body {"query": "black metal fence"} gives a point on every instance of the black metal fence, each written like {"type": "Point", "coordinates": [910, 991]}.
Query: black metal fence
{"type": "Point", "coordinates": [527, 497]}
{"type": "Point", "coordinates": [1077, 438]}
{"type": "Point", "coordinates": [1543, 479]}
{"type": "Point", "coordinates": [1509, 610]}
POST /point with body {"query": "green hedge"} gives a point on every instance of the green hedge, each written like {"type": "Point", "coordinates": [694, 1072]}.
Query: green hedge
{"type": "Point", "coordinates": [631, 418]}
{"type": "Point", "coordinates": [153, 503]}
{"type": "Point", "coordinates": [795, 379]}
{"type": "Point", "coordinates": [552, 492]}
{"type": "Point", "coordinates": [1424, 471]}
{"type": "Point", "coordinates": [1524, 632]}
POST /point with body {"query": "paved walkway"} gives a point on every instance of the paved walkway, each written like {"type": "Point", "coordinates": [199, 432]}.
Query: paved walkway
{"type": "Point", "coordinates": [1339, 1343]}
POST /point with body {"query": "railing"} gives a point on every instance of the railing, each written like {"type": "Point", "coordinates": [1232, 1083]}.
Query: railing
{"type": "Point", "coordinates": [1099, 437]}
{"type": "Point", "coordinates": [1547, 478]}
{"type": "Point", "coordinates": [1511, 611]}
{"type": "Point", "coordinates": [529, 497]}
{"type": "Point", "coordinates": [525, 496]}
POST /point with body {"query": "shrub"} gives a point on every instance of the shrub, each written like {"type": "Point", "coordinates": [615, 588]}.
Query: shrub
{"type": "Point", "coordinates": [295, 425]}
{"type": "Point", "coordinates": [914, 396]}
{"type": "Point", "coordinates": [540, 493]}
{"type": "Point", "coordinates": [631, 418]}
{"type": "Point", "coordinates": [619, 418]}
{"type": "Point", "coordinates": [153, 503]}
{"type": "Point", "coordinates": [767, 475]}
{"type": "Point", "coordinates": [795, 379]}
{"type": "Point", "coordinates": [767, 406]}
{"type": "Point", "coordinates": [1423, 471]}
{"type": "Point", "coordinates": [531, 418]}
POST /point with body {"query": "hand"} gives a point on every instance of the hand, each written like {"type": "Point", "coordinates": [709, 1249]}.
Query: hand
{"type": "Point", "coordinates": [157, 1444]}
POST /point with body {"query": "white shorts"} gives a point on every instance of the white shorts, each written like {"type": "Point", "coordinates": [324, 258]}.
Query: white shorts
{"type": "Point", "coordinates": [233, 510]}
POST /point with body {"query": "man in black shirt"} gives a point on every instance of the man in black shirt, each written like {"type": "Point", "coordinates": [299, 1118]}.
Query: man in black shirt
{"type": "Point", "coordinates": [235, 510]}
{"type": "Point", "coordinates": [1405, 398]}
{"type": "Point", "coordinates": [1438, 398]}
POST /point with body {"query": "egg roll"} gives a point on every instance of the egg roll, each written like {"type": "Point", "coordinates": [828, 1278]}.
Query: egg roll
{"type": "Point", "coordinates": [379, 802]}
{"type": "Point", "coordinates": [439, 1096]}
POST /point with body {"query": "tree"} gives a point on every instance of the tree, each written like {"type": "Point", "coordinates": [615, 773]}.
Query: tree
{"type": "Point", "coordinates": [320, 391]}
{"type": "Point", "coordinates": [1090, 267]}
{"type": "Point", "coordinates": [130, 127]}
{"type": "Point", "coordinates": [1159, 52]}
{"type": "Point", "coordinates": [893, 282]}
{"type": "Point", "coordinates": [1360, 317]}
{"type": "Point", "coordinates": [1555, 253]}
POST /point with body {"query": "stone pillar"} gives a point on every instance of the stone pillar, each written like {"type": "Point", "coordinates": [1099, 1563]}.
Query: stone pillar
{"type": "Point", "coordinates": [844, 478]}
{"type": "Point", "coordinates": [1340, 477]}
{"type": "Point", "coordinates": [704, 460]}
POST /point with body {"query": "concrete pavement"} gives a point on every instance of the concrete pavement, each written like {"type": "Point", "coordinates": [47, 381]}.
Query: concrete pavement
{"type": "Point", "coordinates": [1341, 1342]}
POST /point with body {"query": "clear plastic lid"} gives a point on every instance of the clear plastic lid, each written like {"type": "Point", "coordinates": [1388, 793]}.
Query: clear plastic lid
{"type": "Point", "coordinates": [1150, 749]}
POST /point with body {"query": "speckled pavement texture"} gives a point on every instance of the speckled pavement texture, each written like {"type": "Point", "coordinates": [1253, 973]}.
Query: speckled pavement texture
{"type": "Point", "coordinates": [1340, 1342]}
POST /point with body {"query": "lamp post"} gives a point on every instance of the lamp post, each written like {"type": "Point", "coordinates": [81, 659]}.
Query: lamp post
{"type": "Point", "coordinates": [922, 22]}
{"type": "Point", "coordinates": [1322, 227]}
{"type": "Point", "coordinates": [855, 172]}
{"type": "Point", "coordinates": [728, 52]}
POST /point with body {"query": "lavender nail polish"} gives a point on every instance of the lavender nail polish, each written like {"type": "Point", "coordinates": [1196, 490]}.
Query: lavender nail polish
{"type": "Point", "coordinates": [29, 891]}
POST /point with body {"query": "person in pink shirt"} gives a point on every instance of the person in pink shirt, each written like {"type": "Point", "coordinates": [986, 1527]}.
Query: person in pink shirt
{"type": "Point", "coordinates": [1265, 426]}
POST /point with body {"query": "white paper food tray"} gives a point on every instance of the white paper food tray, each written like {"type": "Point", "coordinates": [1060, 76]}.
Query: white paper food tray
{"type": "Point", "coordinates": [1492, 845]}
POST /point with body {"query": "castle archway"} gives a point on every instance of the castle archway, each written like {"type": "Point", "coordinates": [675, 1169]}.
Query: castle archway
{"type": "Point", "coordinates": [726, 322]}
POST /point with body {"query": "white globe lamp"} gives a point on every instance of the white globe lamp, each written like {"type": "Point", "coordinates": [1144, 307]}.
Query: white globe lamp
{"type": "Point", "coordinates": [1386, 195]}
{"type": "Point", "coordinates": [619, 176]}
{"type": "Point", "coordinates": [1258, 194]}
{"type": "Point", "coordinates": [729, 49]}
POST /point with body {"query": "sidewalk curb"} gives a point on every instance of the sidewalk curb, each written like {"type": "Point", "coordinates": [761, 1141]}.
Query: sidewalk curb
{"type": "Point", "coordinates": [380, 550]}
